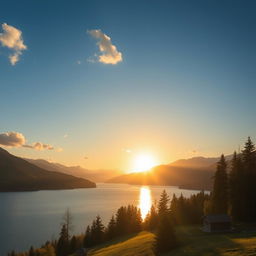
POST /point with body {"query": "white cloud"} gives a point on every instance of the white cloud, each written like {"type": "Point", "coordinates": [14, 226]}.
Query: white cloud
{"type": "Point", "coordinates": [12, 139]}
{"type": "Point", "coordinates": [12, 38]}
{"type": "Point", "coordinates": [110, 54]}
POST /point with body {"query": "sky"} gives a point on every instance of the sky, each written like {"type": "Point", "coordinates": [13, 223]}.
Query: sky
{"type": "Point", "coordinates": [95, 83]}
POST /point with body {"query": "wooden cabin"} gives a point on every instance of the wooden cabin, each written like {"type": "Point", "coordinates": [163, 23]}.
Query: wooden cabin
{"type": "Point", "coordinates": [217, 223]}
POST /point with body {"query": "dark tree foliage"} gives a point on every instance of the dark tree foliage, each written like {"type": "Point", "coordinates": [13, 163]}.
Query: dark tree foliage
{"type": "Point", "coordinates": [237, 184]}
{"type": "Point", "coordinates": [74, 244]}
{"type": "Point", "coordinates": [151, 220]}
{"type": "Point", "coordinates": [111, 229]}
{"type": "Point", "coordinates": [31, 251]}
{"type": "Point", "coordinates": [121, 224]}
{"type": "Point", "coordinates": [97, 231]}
{"type": "Point", "coordinates": [67, 221]}
{"type": "Point", "coordinates": [94, 234]}
{"type": "Point", "coordinates": [128, 220]}
{"type": "Point", "coordinates": [165, 236]}
{"type": "Point", "coordinates": [63, 242]}
{"type": "Point", "coordinates": [249, 169]}
{"type": "Point", "coordinates": [163, 204]}
{"type": "Point", "coordinates": [188, 210]}
{"type": "Point", "coordinates": [87, 237]}
{"type": "Point", "coordinates": [220, 188]}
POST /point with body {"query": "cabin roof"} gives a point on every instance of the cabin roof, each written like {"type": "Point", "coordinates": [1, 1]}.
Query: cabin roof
{"type": "Point", "coordinates": [218, 218]}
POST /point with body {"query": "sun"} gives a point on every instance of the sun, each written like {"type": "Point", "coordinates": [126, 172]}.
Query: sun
{"type": "Point", "coordinates": [143, 162]}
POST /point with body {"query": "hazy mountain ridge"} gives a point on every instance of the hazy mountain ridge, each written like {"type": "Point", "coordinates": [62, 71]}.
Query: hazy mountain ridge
{"type": "Point", "coordinates": [17, 174]}
{"type": "Point", "coordinates": [192, 173]}
{"type": "Point", "coordinates": [78, 171]}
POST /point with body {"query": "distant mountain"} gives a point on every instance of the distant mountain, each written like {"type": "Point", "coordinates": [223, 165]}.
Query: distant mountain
{"type": "Point", "coordinates": [193, 173]}
{"type": "Point", "coordinates": [78, 171]}
{"type": "Point", "coordinates": [17, 174]}
{"type": "Point", "coordinates": [195, 162]}
{"type": "Point", "coordinates": [198, 162]}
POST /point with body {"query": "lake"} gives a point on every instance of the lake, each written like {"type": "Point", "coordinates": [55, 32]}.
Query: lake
{"type": "Point", "coordinates": [31, 218]}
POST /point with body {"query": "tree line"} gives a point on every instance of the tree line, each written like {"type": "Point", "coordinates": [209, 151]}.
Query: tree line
{"type": "Point", "coordinates": [234, 190]}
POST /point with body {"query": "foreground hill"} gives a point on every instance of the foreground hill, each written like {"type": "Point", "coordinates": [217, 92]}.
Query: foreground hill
{"type": "Point", "coordinates": [16, 174]}
{"type": "Point", "coordinates": [141, 244]}
{"type": "Point", "coordinates": [193, 173]}
{"type": "Point", "coordinates": [78, 171]}
{"type": "Point", "coordinates": [192, 242]}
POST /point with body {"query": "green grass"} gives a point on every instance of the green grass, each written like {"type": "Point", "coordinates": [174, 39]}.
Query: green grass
{"type": "Point", "coordinates": [194, 242]}
{"type": "Point", "coordinates": [138, 245]}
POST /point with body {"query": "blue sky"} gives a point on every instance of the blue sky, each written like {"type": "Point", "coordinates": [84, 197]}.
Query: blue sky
{"type": "Point", "coordinates": [185, 85]}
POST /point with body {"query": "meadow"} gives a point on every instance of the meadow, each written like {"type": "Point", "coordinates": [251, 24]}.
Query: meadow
{"type": "Point", "coordinates": [139, 245]}
{"type": "Point", "coordinates": [192, 242]}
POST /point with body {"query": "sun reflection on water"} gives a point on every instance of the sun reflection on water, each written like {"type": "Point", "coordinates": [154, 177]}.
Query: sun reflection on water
{"type": "Point", "coordinates": [145, 201]}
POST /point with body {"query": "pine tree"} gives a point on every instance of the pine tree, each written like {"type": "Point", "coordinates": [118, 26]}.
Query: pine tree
{"type": "Point", "coordinates": [134, 219]}
{"type": "Point", "coordinates": [31, 251]}
{"type": "Point", "coordinates": [163, 204]}
{"type": "Point", "coordinates": [111, 229]}
{"type": "Point", "coordinates": [237, 188]}
{"type": "Point", "coordinates": [151, 220]}
{"type": "Point", "coordinates": [67, 221]}
{"type": "Point", "coordinates": [97, 231]}
{"type": "Point", "coordinates": [249, 168]}
{"type": "Point", "coordinates": [63, 242]}
{"type": "Point", "coordinates": [248, 154]}
{"type": "Point", "coordinates": [87, 238]}
{"type": "Point", "coordinates": [220, 188]}
{"type": "Point", "coordinates": [73, 244]}
{"type": "Point", "coordinates": [121, 221]}
{"type": "Point", "coordinates": [165, 236]}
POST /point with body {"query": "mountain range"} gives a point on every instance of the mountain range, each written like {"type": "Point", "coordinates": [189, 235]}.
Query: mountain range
{"type": "Point", "coordinates": [78, 171]}
{"type": "Point", "coordinates": [193, 173]}
{"type": "Point", "coordinates": [17, 174]}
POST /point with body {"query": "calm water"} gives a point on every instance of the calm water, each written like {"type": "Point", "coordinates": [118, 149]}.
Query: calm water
{"type": "Point", "coordinates": [31, 218]}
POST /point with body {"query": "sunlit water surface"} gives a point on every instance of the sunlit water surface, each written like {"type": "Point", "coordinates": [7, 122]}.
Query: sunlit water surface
{"type": "Point", "coordinates": [31, 218]}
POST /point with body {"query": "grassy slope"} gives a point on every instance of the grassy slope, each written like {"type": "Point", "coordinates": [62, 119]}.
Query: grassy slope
{"type": "Point", "coordinates": [196, 243]}
{"type": "Point", "coordinates": [139, 245]}
{"type": "Point", "coordinates": [193, 243]}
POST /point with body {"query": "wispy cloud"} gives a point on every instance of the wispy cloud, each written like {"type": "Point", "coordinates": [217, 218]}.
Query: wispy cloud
{"type": "Point", "coordinates": [110, 54]}
{"type": "Point", "coordinates": [39, 146]}
{"type": "Point", "coordinates": [193, 152]}
{"type": "Point", "coordinates": [127, 150]}
{"type": "Point", "coordinates": [12, 39]}
{"type": "Point", "coordinates": [59, 149]}
{"type": "Point", "coordinates": [16, 139]}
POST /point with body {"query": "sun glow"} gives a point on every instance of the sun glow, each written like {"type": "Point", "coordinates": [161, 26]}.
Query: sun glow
{"type": "Point", "coordinates": [143, 163]}
{"type": "Point", "coordinates": [145, 201]}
